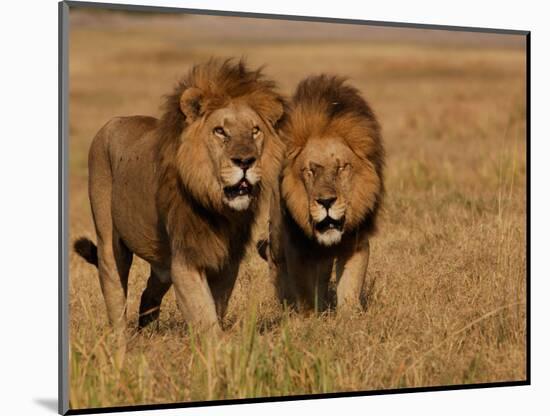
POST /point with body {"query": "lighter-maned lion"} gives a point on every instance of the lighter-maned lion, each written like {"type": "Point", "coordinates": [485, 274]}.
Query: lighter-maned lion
{"type": "Point", "coordinates": [330, 191]}
{"type": "Point", "coordinates": [183, 191]}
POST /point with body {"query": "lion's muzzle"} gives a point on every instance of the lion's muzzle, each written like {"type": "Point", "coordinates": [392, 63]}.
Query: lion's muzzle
{"type": "Point", "coordinates": [328, 218]}
{"type": "Point", "coordinates": [241, 183]}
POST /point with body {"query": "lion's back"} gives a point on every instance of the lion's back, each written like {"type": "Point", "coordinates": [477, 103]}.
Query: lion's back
{"type": "Point", "coordinates": [120, 133]}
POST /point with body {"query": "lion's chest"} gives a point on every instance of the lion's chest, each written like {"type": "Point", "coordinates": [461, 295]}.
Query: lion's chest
{"type": "Point", "coordinates": [209, 241]}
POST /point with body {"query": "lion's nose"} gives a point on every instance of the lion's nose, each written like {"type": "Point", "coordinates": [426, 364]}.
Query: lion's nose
{"type": "Point", "coordinates": [244, 163]}
{"type": "Point", "coordinates": [326, 202]}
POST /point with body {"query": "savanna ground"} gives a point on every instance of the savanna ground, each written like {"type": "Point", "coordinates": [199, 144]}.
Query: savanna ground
{"type": "Point", "coordinates": [447, 279]}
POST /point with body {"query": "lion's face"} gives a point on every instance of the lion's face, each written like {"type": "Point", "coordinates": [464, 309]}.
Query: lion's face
{"type": "Point", "coordinates": [328, 188]}
{"type": "Point", "coordinates": [326, 173]}
{"type": "Point", "coordinates": [224, 148]}
{"type": "Point", "coordinates": [234, 136]}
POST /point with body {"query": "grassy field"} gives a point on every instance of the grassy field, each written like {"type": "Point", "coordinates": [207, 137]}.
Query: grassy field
{"type": "Point", "coordinates": [447, 279]}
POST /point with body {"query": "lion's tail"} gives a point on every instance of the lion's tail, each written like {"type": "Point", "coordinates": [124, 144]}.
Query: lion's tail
{"type": "Point", "coordinates": [86, 249]}
{"type": "Point", "coordinates": [261, 246]}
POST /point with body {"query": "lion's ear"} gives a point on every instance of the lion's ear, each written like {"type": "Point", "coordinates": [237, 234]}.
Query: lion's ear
{"type": "Point", "coordinates": [275, 112]}
{"type": "Point", "coordinates": [191, 104]}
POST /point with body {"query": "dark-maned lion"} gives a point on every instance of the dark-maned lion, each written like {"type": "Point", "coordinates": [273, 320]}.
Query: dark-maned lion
{"type": "Point", "coordinates": [330, 191]}
{"type": "Point", "coordinates": [183, 192]}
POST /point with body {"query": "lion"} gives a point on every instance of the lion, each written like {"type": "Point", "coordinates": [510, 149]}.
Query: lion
{"type": "Point", "coordinates": [330, 191]}
{"type": "Point", "coordinates": [183, 192]}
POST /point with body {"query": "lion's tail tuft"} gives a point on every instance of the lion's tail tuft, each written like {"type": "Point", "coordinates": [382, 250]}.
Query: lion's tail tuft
{"type": "Point", "coordinates": [86, 249]}
{"type": "Point", "coordinates": [261, 246]}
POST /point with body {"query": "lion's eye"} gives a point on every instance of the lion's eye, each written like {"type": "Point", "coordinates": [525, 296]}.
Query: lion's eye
{"type": "Point", "coordinates": [255, 131]}
{"type": "Point", "coordinates": [342, 168]}
{"type": "Point", "coordinates": [220, 131]}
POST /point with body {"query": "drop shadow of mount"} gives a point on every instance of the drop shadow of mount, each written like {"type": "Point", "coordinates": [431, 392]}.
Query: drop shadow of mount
{"type": "Point", "coordinates": [49, 404]}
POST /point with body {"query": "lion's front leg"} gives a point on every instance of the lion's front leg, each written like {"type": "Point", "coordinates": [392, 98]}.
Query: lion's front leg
{"type": "Point", "coordinates": [351, 271]}
{"type": "Point", "coordinates": [310, 279]}
{"type": "Point", "coordinates": [194, 297]}
{"type": "Point", "coordinates": [283, 287]}
{"type": "Point", "coordinates": [221, 285]}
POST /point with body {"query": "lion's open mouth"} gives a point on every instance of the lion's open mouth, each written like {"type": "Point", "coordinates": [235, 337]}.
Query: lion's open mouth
{"type": "Point", "coordinates": [330, 223]}
{"type": "Point", "coordinates": [243, 187]}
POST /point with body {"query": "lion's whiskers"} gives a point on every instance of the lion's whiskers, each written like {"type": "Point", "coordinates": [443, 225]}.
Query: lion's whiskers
{"type": "Point", "coordinates": [231, 175]}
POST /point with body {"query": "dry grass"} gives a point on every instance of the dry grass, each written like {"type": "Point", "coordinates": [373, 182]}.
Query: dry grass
{"type": "Point", "coordinates": [448, 268]}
